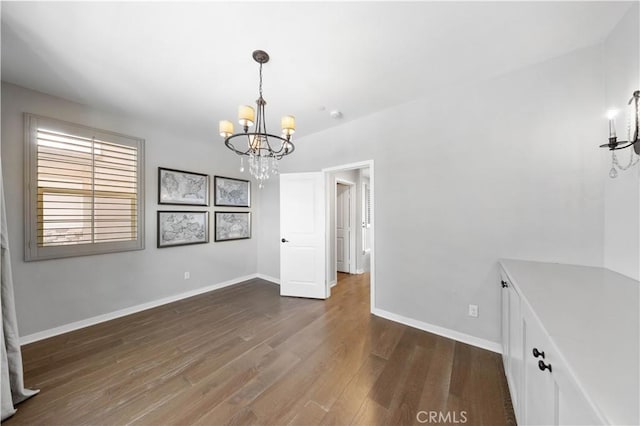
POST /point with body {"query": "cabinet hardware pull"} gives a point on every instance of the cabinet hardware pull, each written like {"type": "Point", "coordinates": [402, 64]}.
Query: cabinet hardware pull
{"type": "Point", "coordinates": [504, 284]}
{"type": "Point", "coordinates": [284, 240]}
{"type": "Point", "coordinates": [542, 366]}
{"type": "Point", "coordinates": [537, 353]}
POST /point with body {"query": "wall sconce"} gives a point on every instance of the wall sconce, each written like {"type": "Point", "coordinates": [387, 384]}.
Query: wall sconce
{"type": "Point", "coordinates": [633, 140]}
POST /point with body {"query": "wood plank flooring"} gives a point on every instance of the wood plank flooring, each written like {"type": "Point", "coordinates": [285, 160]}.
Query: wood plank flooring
{"type": "Point", "coordinates": [243, 355]}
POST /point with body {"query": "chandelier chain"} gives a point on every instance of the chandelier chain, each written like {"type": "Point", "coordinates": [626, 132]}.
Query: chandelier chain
{"type": "Point", "coordinates": [633, 160]}
{"type": "Point", "coordinates": [260, 80]}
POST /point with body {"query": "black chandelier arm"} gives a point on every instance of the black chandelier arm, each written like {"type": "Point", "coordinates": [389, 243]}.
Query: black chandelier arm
{"type": "Point", "coordinates": [619, 145]}
{"type": "Point", "coordinates": [278, 154]}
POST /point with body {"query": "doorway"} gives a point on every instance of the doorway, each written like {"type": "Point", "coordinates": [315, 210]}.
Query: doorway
{"type": "Point", "coordinates": [308, 265]}
{"type": "Point", "coordinates": [345, 226]}
{"type": "Point", "coordinates": [350, 223]}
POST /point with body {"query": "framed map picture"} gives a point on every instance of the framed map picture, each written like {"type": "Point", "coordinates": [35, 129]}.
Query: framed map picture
{"type": "Point", "coordinates": [232, 226]}
{"type": "Point", "coordinates": [232, 192]}
{"type": "Point", "coordinates": [182, 188]}
{"type": "Point", "coordinates": [179, 228]}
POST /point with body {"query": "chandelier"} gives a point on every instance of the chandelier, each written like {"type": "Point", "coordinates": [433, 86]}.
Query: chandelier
{"type": "Point", "coordinates": [633, 138]}
{"type": "Point", "coordinates": [263, 148]}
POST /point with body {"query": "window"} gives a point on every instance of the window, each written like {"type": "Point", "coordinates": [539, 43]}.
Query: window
{"type": "Point", "coordinates": [85, 190]}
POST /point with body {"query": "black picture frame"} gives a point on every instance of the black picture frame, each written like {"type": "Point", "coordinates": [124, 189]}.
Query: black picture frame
{"type": "Point", "coordinates": [183, 181]}
{"type": "Point", "coordinates": [167, 231]}
{"type": "Point", "coordinates": [231, 192]}
{"type": "Point", "coordinates": [222, 231]}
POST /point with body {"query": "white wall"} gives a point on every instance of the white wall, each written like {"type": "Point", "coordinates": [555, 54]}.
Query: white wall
{"type": "Point", "coordinates": [622, 195]}
{"type": "Point", "coordinates": [57, 292]}
{"type": "Point", "coordinates": [268, 225]}
{"type": "Point", "coordinates": [506, 168]}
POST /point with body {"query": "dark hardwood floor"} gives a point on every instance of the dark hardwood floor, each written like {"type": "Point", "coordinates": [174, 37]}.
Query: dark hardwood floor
{"type": "Point", "coordinates": [243, 355]}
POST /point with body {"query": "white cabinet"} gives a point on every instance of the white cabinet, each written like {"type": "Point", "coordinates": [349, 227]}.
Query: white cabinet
{"type": "Point", "coordinates": [550, 396]}
{"type": "Point", "coordinates": [553, 356]}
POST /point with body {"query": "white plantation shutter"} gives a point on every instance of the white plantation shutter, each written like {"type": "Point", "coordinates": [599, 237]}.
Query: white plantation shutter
{"type": "Point", "coordinates": [85, 190]}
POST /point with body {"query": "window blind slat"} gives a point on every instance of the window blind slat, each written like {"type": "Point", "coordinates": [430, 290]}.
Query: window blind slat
{"type": "Point", "coordinates": [103, 230]}
{"type": "Point", "coordinates": [50, 160]}
{"type": "Point", "coordinates": [57, 156]}
{"type": "Point", "coordinates": [58, 171]}
{"type": "Point", "coordinates": [115, 198]}
{"type": "Point", "coordinates": [75, 208]}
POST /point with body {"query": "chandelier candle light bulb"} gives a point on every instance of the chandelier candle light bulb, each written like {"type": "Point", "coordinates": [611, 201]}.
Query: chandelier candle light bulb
{"type": "Point", "coordinates": [226, 128]}
{"type": "Point", "coordinates": [263, 149]}
{"type": "Point", "coordinates": [288, 124]}
{"type": "Point", "coordinates": [246, 115]}
{"type": "Point", "coordinates": [611, 115]}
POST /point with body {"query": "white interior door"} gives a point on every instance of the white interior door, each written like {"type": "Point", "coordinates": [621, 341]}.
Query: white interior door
{"type": "Point", "coordinates": [302, 233]}
{"type": "Point", "coordinates": [343, 231]}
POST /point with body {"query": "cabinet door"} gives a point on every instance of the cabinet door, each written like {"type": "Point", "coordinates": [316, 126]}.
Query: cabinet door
{"type": "Point", "coordinates": [504, 294]}
{"type": "Point", "coordinates": [540, 402]}
{"type": "Point", "coordinates": [573, 407]}
{"type": "Point", "coordinates": [515, 348]}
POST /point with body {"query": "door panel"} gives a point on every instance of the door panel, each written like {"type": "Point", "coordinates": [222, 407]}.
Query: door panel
{"type": "Point", "coordinates": [516, 356]}
{"type": "Point", "coordinates": [540, 389]}
{"type": "Point", "coordinates": [342, 227]}
{"type": "Point", "coordinates": [505, 327]}
{"type": "Point", "coordinates": [302, 231]}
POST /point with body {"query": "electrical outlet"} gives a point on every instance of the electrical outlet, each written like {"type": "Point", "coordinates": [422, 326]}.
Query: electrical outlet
{"type": "Point", "coordinates": [473, 311]}
{"type": "Point", "coordinates": [187, 275]}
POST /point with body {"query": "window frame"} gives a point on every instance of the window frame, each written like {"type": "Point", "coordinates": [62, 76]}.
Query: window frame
{"type": "Point", "coordinates": [32, 251]}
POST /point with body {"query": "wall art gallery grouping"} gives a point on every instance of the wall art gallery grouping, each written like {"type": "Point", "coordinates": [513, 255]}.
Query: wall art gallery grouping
{"type": "Point", "coordinates": [184, 227]}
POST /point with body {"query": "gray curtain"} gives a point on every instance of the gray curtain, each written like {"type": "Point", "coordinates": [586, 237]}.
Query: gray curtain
{"type": "Point", "coordinates": [11, 382]}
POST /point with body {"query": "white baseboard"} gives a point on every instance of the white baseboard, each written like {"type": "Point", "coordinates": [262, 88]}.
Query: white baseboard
{"type": "Point", "coordinates": [30, 338]}
{"type": "Point", "coordinates": [452, 334]}
{"type": "Point", "coordinates": [333, 283]}
{"type": "Point", "coordinates": [440, 331]}
{"type": "Point", "coordinates": [359, 271]}
{"type": "Point", "coordinates": [268, 278]}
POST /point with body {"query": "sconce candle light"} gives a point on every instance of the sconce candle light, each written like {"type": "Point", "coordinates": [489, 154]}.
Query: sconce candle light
{"type": "Point", "coordinates": [633, 140]}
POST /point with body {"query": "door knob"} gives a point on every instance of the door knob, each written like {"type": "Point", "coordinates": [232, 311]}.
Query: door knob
{"type": "Point", "coordinates": [504, 284]}
{"type": "Point", "coordinates": [542, 366]}
{"type": "Point", "coordinates": [284, 240]}
{"type": "Point", "coordinates": [537, 353]}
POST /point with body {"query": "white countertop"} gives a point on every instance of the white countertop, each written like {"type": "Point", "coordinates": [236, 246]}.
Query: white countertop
{"type": "Point", "coordinates": [592, 315]}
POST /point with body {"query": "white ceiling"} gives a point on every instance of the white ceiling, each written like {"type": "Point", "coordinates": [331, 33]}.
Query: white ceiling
{"type": "Point", "coordinates": [190, 63]}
